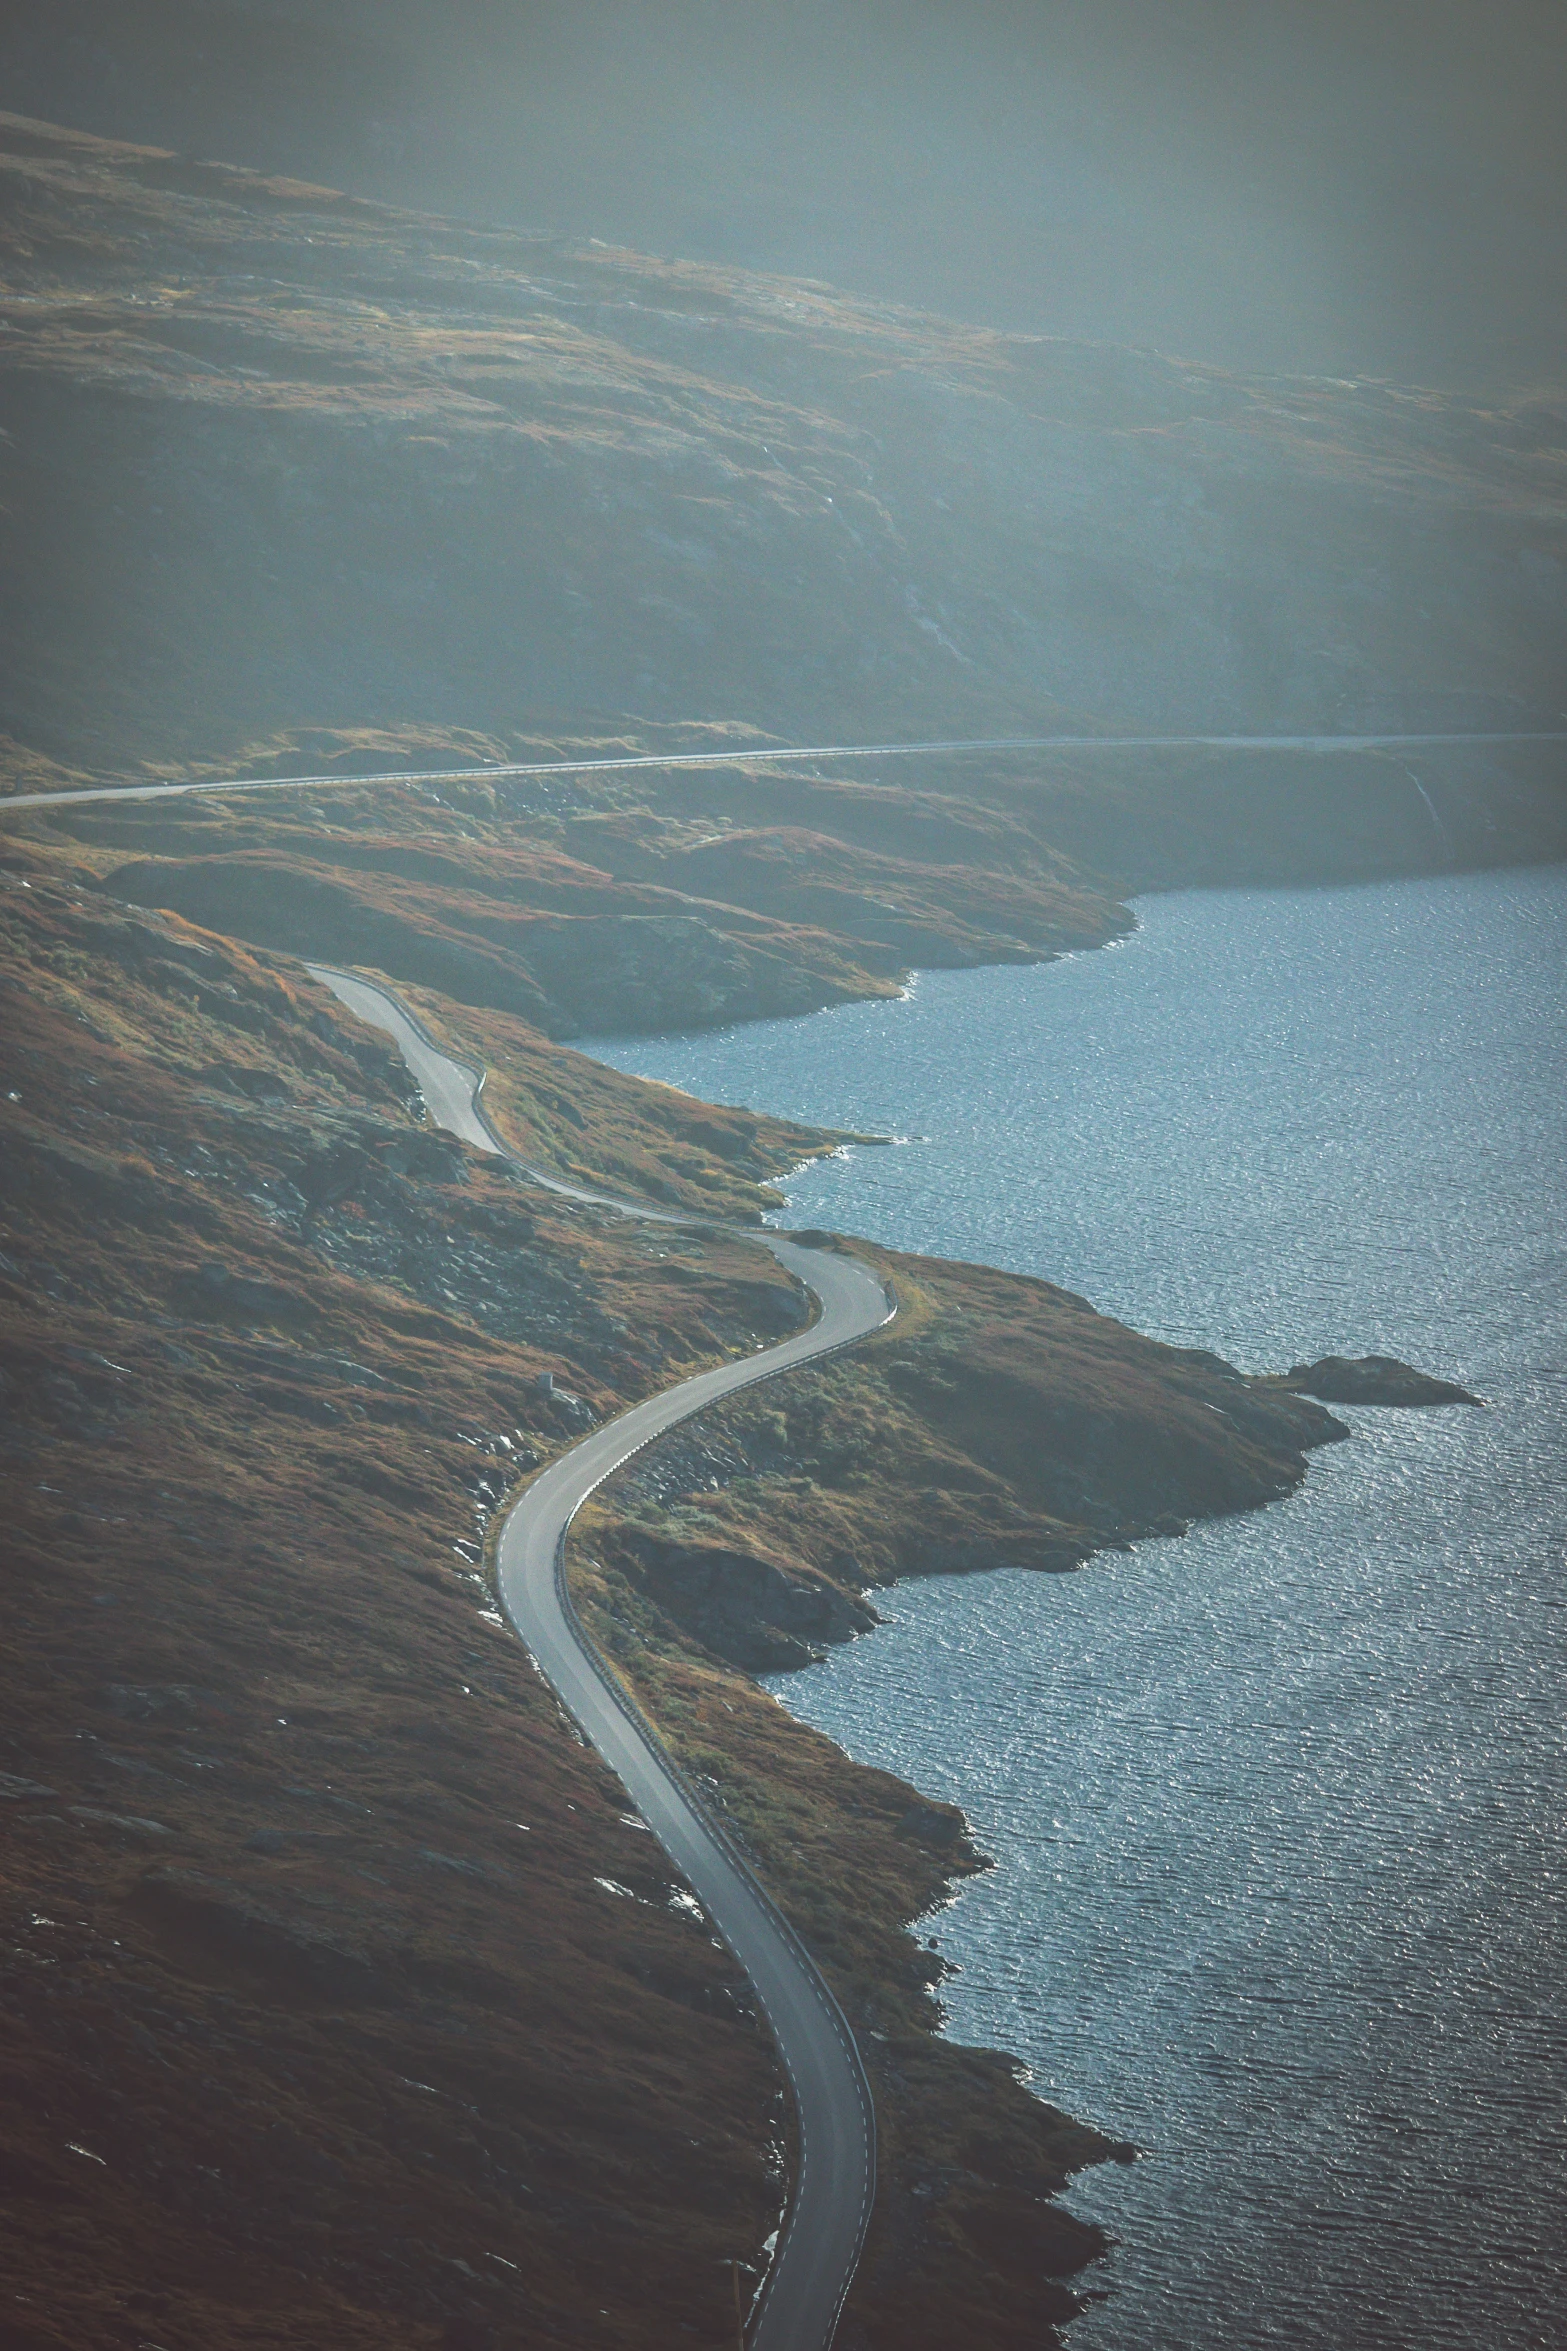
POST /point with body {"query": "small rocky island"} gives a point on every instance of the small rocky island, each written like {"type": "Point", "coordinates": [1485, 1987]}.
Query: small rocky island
{"type": "Point", "coordinates": [1372, 1379]}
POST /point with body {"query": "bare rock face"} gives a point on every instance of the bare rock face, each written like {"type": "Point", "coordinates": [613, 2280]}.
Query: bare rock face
{"type": "Point", "coordinates": [744, 1608]}
{"type": "Point", "coordinates": [1373, 1379]}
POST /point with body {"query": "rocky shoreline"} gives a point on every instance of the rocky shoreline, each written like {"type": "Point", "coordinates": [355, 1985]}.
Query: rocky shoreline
{"type": "Point", "coordinates": [236, 1263]}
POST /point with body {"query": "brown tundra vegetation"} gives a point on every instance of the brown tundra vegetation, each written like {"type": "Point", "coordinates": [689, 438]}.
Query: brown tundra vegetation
{"type": "Point", "coordinates": [343, 2002]}
{"type": "Point", "coordinates": [343, 1997]}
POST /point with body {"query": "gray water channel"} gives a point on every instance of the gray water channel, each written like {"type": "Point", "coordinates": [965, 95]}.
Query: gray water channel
{"type": "Point", "coordinates": [1277, 1807]}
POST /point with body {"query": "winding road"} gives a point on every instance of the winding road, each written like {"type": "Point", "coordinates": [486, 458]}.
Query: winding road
{"type": "Point", "coordinates": [776, 754]}
{"type": "Point", "coordinates": [829, 2210]}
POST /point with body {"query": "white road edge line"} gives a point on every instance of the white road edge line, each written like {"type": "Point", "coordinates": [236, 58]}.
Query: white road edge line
{"type": "Point", "coordinates": [823, 2232]}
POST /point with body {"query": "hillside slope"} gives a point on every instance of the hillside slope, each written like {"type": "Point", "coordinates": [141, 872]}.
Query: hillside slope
{"type": "Point", "coordinates": [282, 459]}
{"type": "Point", "coordinates": [342, 2001]}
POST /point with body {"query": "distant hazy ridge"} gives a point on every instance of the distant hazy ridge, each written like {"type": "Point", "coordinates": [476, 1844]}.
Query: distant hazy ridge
{"type": "Point", "coordinates": [280, 460]}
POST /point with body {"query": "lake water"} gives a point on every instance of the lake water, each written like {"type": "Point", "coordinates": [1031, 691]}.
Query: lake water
{"type": "Point", "coordinates": [1277, 1807]}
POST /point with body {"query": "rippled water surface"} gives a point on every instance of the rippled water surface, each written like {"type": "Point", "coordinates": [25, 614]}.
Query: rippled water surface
{"type": "Point", "coordinates": [1278, 1807]}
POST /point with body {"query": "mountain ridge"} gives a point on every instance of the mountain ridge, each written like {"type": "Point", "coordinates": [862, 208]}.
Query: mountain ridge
{"type": "Point", "coordinates": [482, 479]}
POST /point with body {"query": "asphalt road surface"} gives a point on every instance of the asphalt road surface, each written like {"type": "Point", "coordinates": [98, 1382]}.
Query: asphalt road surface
{"type": "Point", "coordinates": [819, 2245]}
{"type": "Point", "coordinates": [778, 753]}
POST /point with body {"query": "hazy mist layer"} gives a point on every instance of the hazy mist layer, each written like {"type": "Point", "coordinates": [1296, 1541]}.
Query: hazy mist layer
{"type": "Point", "coordinates": [1298, 184]}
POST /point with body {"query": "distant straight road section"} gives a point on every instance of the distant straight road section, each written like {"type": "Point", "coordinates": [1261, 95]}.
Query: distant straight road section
{"type": "Point", "coordinates": [776, 754]}
{"type": "Point", "coordinates": [835, 2177]}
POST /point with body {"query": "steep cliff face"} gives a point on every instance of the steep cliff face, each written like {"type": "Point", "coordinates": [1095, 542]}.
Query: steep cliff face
{"type": "Point", "coordinates": [282, 459]}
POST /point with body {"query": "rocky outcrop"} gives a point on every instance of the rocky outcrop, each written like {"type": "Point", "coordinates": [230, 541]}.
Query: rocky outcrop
{"type": "Point", "coordinates": [1373, 1379]}
{"type": "Point", "coordinates": [744, 1607]}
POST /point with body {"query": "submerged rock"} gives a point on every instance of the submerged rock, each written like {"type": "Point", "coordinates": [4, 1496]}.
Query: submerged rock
{"type": "Point", "coordinates": [1373, 1379]}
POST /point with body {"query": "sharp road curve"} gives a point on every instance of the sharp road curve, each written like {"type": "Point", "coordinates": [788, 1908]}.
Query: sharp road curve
{"type": "Point", "coordinates": [781, 754]}
{"type": "Point", "coordinates": [820, 2243]}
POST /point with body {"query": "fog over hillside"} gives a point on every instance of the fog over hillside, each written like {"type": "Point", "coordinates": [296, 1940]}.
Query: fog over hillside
{"type": "Point", "coordinates": [1307, 185]}
{"type": "Point", "coordinates": [277, 459]}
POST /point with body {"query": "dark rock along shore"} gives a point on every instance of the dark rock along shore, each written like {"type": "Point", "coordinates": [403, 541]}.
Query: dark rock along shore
{"type": "Point", "coordinates": [1373, 1379]}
